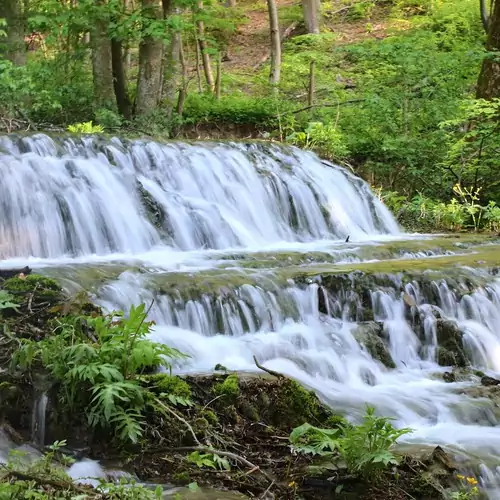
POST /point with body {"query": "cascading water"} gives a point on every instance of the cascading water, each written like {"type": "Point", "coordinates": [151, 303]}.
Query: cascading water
{"type": "Point", "coordinates": [183, 223]}
{"type": "Point", "coordinates": [85, 196]}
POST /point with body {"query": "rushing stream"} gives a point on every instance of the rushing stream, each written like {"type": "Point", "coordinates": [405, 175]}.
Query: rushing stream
{"type": "Point", "coordinates": [243, 249]}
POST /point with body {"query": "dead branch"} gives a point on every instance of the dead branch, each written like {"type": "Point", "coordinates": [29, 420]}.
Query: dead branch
{"type": "Point", "coordinates": [267, 370]}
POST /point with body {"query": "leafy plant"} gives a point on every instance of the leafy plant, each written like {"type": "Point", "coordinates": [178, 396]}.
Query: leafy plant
{"type": "Point", "coordinates": [103, 355]}
{"type": "Point", "coordinates": [7, 301]}
{"type": "Point", "coordinates": [213, 461]}
{"type": "Point", "coordinates": [85, 128]}
{"type": "Point", "coordinates": [365, 448]}
{"type": "Point", "coordinates": [314, 440]}
{"type": "Point", "coordinates": [326, 140]}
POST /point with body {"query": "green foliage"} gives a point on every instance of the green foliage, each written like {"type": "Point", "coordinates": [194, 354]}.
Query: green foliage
{"type": "Point", "coordinates": [96, 361]}
{"type": "Point", "coordinates": [212, 461]}
{"type": "Point", "coordinates": [85, 128]}
{"type": "Point", "coordinates": [232, 109]}
{"type": "Point", "coordinates": [7, 301]}
{"type": "Point", "coordinates": [426, 214]}
{"type": "Point", "coordinates": [468, 489]}
{"type": "Point", "coordinates": [315, 441]}
{"type": "Point", "coordinates": [365, 448]}
{"type": "Point", "coordinates": [44, 479]}
{"type": "Point", "coordinates": [326, 140]}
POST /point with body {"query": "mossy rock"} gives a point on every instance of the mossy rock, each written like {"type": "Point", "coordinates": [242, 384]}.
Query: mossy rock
{"type": "Point", "coordinates": [369, 335]}
{"type": "Point", "coordinates": [450, 351]}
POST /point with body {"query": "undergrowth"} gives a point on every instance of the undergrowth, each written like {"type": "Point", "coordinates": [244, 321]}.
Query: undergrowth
{"type": "Point", "coordinates": [98, 363]}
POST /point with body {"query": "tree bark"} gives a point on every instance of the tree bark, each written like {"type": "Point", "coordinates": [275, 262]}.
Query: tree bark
{"type": "Point", "coordinates": [488, 85]}
{"type": "Point", "coordinates": [15, 48]}
{"type": "Point", "coordinates": [120, 80]}
{"type": "Point", "coordinates": [312, 15]}
{"type": "Point", "coordinates": [102, 71]}
{"type": "Point", "coordinates": [485, 16]}
{"type": "Point", "coordinates": [275, 75]}
{"type": "Point", "coordinates": [171, 73]}
{"type": "Point", "coordinates": [149, 79]}
{"type": "Point", "coordinates": [205, 57]}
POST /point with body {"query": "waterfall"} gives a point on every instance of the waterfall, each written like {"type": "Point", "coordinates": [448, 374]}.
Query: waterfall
{"type": "Point", "coordinates": [89, 196]}
{"type": "Point", "coordinates": [242, 247]}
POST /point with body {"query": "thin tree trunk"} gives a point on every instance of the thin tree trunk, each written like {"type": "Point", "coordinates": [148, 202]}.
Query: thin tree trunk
{"type": "Point", "coordinates": [218, 81]}
{"type": "Point", "coordinates": [312, 84]}
{"type": "Point", "coordinates": [205, 57]}
{"type": "Point", "coordinates": [230, 3]}
{"type": "Point", "coordinates": [150, 64]}
{"type": "Point", "coordinates": [275, 75]}
{"type": "Point", "coordinates": [12, 12]}
{"type": "Point", "coordinates": [198, 67]}
{"type": "Point", "coordinates": [171, 73]}
{"type": "Point", "coordinates": [312, 15]}
{"type": "Point", "coordinates": [120, 81]}
{"type": "Point", "coordinates": [102, 71]}
{"type": "Point", "coordinates": [488, 85]}
{"type": "Point", "coordinates": [485, 16]}
{"type": "Point", "coordinates": [183, 91]}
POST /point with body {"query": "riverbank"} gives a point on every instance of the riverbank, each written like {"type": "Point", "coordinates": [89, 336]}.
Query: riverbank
{"type": "Point", "coordinates": [226, 430]}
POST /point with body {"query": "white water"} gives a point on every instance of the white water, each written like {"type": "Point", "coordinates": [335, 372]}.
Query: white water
{"type": "Point", "coordinates": [78, 201]}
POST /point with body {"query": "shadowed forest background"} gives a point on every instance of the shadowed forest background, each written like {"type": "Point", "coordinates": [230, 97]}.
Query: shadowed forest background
{"type": "Point", "coordinates": [404, 92]}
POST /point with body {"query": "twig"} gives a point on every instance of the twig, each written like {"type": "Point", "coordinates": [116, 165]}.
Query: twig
{"type": "Point", "coordinates": [267, 370]}
{"type": "Point", "coordinates": [267, 491]}
{"type": "Point", "coordinates": [30, 300]}
{"type": "Point", "coordinates": [181, 419]}
{"type": "Point", "coordinates": [228, 454]}
{"type": "Point", "coordinates": [210, 402]}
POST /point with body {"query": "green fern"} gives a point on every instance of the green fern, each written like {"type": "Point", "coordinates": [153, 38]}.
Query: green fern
{"type": "Point", "coordinates": [105, 356]}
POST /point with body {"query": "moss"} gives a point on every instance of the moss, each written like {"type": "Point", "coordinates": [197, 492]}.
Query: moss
{"type": "Point", "coordinates": [210, 416]}
{"type": "Point", "coordinates": [295, 405]}
{"type": "Point", "coordinates": [230, 388]}
{"type": "Point", "coordinates": [335, 421]}
{"type": "Point", "coordinates": [29, 283]}
{"type": "Point", "coordinates": [162, 382]}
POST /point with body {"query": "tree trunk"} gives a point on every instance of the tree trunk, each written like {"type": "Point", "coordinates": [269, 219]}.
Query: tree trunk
{"type": "Point", "coordinates": [274, 77]}
{"type": "Point", "coordinates": [488, 85]}
{"type": "Point", "coordinates": [205, 57]}
{"type": "Point", "coordinates": [15, 48]}
{"type": "Point", "coordinates": [102, 72]}
{"type": "Point", "coordinates": [230, 3]}
{"type": "Point", "coordinates": [312, 15]}
{"type": "Point", "coordinates": [150, 64]}
{"type": "Point", "coordinates": [485, 16]}
{"type": "Point", "coordinates": [120, 80]}
{"type": "Point", "coordinates": [171, 73]}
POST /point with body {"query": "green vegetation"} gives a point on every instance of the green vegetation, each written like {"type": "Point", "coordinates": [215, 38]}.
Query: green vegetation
{"type": "Point", "coordinates": [365, 448]}
{"type": "Point", "coordinates": [45, 478]}
{"type": "Point", "coordinates": [98, 362]}
{"type": "Point", "coordinates": [393, 93]}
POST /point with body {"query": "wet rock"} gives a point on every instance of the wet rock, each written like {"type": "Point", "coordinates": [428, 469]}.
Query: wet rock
{"type": "Point", "coordinates": [450, 351]}
{"type": "Point", "coordinates": [370, 335]}
{"type": "Point", "coordinates": [489, 381]}
{"type": "Point", "coordinates": [449, 377]}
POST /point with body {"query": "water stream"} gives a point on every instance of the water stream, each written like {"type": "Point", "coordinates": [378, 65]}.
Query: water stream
{"type": "Point", "coordinates": [243, 248]}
